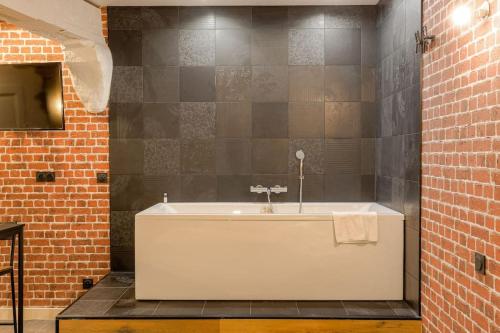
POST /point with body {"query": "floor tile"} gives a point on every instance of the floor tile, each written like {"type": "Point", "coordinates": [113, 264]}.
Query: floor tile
{"type": "Point", "coordinates": [180, 308]}
{"type": "Point", "coordinates": [226, 309]}
{"type": "Point", "coordinates": [322, 309]}
{"type": "Point", "coordinates": [368, 309]}
{"type": "Point", "coordinates": [274, 309]}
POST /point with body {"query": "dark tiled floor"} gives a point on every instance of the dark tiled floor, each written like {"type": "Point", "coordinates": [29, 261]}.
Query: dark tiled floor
{"type": "Point", "coordinates": [114, 297]}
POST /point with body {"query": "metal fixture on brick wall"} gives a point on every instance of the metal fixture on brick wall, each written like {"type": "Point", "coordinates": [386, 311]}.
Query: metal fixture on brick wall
{"type": "Point", "coordinates": [423, 40]}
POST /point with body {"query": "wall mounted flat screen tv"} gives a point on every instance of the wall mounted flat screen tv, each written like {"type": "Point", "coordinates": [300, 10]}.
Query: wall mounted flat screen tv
{"type": "Point", "coordinates": [31, 97]}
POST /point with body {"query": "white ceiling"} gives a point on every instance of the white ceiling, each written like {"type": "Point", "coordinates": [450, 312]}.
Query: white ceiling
{"type": "Point", "coordinates": [230, 2]}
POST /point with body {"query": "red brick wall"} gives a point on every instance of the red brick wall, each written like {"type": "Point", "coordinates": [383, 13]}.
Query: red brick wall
{"type": "Point", "coordinates": [67, 222]}
{"type": "Point", "coordinates": [461, 176]}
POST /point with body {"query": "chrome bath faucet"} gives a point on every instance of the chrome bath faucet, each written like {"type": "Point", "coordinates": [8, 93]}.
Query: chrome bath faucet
{"type": "Point", "coordinates": [268, 190]}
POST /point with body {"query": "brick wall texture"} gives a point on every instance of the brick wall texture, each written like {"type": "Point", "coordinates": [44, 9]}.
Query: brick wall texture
{"type": "Point", "coordinates": [461, 176]}
{"type": "Point", "coordinates": [67, 222]}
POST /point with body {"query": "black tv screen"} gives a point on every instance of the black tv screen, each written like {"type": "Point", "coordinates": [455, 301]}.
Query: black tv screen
{"type": "Point", "coordinates": [31, 96]}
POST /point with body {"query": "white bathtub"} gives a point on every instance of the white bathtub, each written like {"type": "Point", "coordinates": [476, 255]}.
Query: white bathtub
{"type": "Point", "coordinates": [230, 251]}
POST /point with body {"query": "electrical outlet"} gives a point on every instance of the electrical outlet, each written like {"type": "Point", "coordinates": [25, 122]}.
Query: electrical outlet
{"type": "Point", "coordinates": [45, 176]}
{"type": "Point", "coordinates": [480, 263]}
{"type": "Point", "coordinates": [88, 283]}
{"type": "Point", "coordinates": [102, 177]}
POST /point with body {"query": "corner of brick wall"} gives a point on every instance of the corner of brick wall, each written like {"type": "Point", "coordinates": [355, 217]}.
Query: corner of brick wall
{"type": "Point", "coordinates": [461, 171]}
{"type": "Point", "coordinates": [67, 222]}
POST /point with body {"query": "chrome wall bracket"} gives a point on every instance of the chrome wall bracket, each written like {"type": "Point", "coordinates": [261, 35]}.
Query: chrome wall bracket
{"type": "Point", "coordinates": [423, 40]}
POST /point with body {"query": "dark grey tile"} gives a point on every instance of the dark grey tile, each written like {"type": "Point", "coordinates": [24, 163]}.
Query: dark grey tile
{"type": "Point", "coordinates": [196, 18]}
{"type": "Point", "coordinates": [314, 149]}
{"type": "Point", "coordinates": [132, 307]}
{"type": "Point", "coordinates": [398, 163]}
{"type": "Point", "coordinates": [125, 46]}
{"type": "Point", "coordinates": [84, 308]}
{"type": "Point", "coordinates": [342, 46]}
{"type": "Point", "coordinates": [343, 156]}
{"type": "Point", "coordinates": [270, 156]}
{"type": "Point", "coordinates": [103, 294]}
{"type": "Point", "coordinates": [343, 17]}
{"type": "Point", "coordinates": [367, 156]}
{"type": "Point", "coordinates": [160, 17]}
{"type": "Point", "coordinates": [411, 156]}
{"type": "Point", "coordinates": [197, 188]}
{"type": "Point", "coordinates": [343, 187]}
{"type": "Point", "coordinates": [122, 259]}
{"type": "Point", "coordinates": [234, 120]}
{"type": "Point", "coordinates": [233, 83]}
{"type": "Point", "coordinates": [126, 156]}
{"type": "Point", "coordinates": [270, 17]}
{"type": "Point", "coordinates": [343, 120]}
{"type": "Point", "coordinates": [368, 84]}
{"type": "Point", "coordinates": [125, 121]}
{"type": "Point", "coordinates": [116, 280]}
{"type": "Point", "coordinates": [233, 47]}
{"type": "Point", "coordinates": [368, 120]}
{"type": "Point", "coordinates": [413, 17]}
{"type": "Point", "coordinates": [161, 120]}
{"type": "Point", "coordinates": [398, 37]}
{"type": "Point", "coordinates": [402, 309]}
{"type": "Point", "coordinates": [161, 157]}
{"type": "Point", "coordinates": [367, 188]}
{"type": "Point", "coordinates": [368, 309]}
{"type": "Point", "coordinates": [197, 84]}
{"type": "Point", "coordinates": [274, 309]}
{"type": "Point", "coordinates": [384, 190]}
{"type": "Point", "coordinates": [124, 18]}
{"type": "Point", "coordinates": [126, 85]}
{"type": "Point", "coordinates": [386, 117]}
{"type": "Point", "coordinates": [312, 191]}
{"type": "Point", "coordinates": [233, 17]}
{"type": "Point", "coordinates": [413, 119]}
{"type": "Point", "coordinates": [233, 188]}
{"type": "Point", "coordinates": [126, 192]}
{"type": "Point", "coordinates": [342, 83]}
{"type": "Point", "coordinates": [412, 252]}
{"type": "Point", "coordinates": [387, 79]}
{"type": "Point", "coordinates": [411, 206]}
{"type": "Point", "coordinates": [322, 309]}
{"type": "Point", "coordinates": [160, 47]}
{"type": "Point", "coordinates": [269, 47]}
{"type": "Point", "coordinates": [198, 156]}
{"type": "Point", "coordinates": [226, 309]}
{"type": "Point", "coordinates": [197, 120]}
{"type": "Point", "coordinates": [122, 229]}
{"type": "Point", "coordinates": [397, 196]}
{"type": "Point", "coordinates": [161, 84]}
{"type": "Point", "coordinates": [300, 17]}
{"type": "Point", "coordinates": [156, 186]}
{"type": "Point", "coordinates": [234, 156]}
{"type": "Point", "coordinates": [369, 38]}
{"type": "Point", "coordinates": [270, 84]}
{"type": "Point", "coordinates": [412, 292]}
{"type": "Point", "coordinates": [387, 153]}
{"type": "Point", "coordinates": [306, 47]}
{"type": "Point", "coordinates": [306, 120]}
{"type": "Point", "coordinates": [197, 47]}
{"type": "Point", "coordinates": [306, 83]}
{"type": "Point", "coordinates": [270, 120]}
{"type": "Point", "coordinates": [398, 113]}
{"type": "Point", "coordinates": [180, 308]}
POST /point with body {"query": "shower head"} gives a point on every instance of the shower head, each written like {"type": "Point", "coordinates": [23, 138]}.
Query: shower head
{"type": "Point", "coordinates": [300, 154]}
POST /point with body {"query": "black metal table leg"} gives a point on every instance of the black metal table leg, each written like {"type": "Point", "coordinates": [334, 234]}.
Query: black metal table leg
{"type": "Point", "coordinates": [20, 284]}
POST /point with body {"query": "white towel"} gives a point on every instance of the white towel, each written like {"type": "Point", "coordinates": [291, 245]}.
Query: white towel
{"type": "Point", "coordinates": [355, 227]}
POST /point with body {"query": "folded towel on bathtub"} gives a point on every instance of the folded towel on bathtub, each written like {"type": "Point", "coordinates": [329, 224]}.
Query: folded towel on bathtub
{"type": "Point", "coordinates": [355, 227]}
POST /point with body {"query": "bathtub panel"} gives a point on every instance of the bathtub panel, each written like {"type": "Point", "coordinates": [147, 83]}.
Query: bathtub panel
{"type": "Point", "coordinates": [228, 257]}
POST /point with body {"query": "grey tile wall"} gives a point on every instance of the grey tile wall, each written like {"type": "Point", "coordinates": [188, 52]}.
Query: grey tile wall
{"type": "Point", "coordinates": [207, 101]}
{"type": "Point", "coordinates": [398, 134]}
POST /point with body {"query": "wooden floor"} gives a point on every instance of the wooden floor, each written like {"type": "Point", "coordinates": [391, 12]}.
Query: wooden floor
{"type": "Point", "coordinates": [238, 326]}
{"type": "Point", "coordinates": [33, 326]}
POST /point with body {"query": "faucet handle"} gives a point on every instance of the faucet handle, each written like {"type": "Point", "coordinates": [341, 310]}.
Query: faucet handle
{"type": "Point", "coordinates": [279, 189]}
{"type": "Point", "coordinates": [258, 189]}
